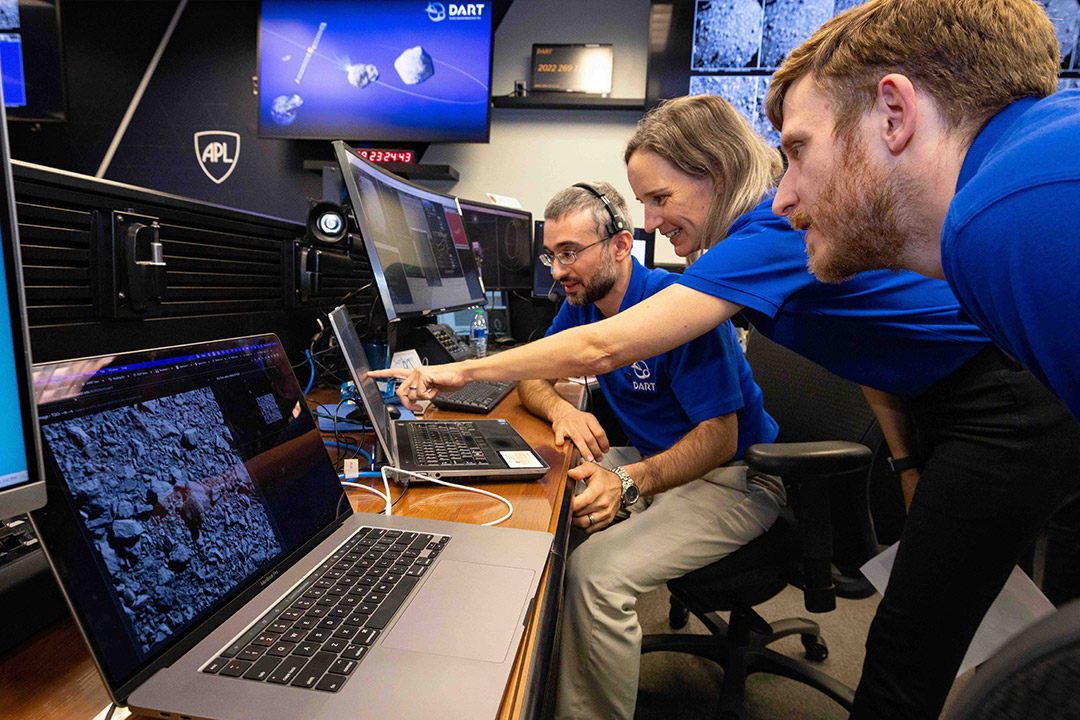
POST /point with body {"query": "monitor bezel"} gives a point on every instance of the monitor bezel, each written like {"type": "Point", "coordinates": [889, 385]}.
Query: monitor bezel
{"type": "Point", "coordinates": [520, 213]}
{"type": "Point", "coordinates": [342, 152]}
{"type": "Point", "coordinates": [29, 494]}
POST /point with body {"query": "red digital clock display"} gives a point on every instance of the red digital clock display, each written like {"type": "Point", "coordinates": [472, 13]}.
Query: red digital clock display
{"type": "Point", "coordinates": [377, 155]}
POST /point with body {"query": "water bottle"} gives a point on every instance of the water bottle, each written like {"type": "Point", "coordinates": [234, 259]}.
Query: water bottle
{"type": "Point", "coordinates": [478, 334]}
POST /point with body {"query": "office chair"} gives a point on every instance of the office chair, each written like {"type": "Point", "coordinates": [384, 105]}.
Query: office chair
{"type": "Point", "coordinates": [1034, 677]}
{"type": "Point", "coordinates": [823, 457]}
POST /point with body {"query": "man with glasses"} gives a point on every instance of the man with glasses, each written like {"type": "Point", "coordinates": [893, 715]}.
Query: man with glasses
{"type": "Point", "coordinates": [690, 412]}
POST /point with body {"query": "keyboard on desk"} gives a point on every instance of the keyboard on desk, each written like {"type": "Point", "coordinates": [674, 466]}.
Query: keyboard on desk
{"type": "Point", "coordinates": [446, 442]}
{"type": "Point", "coordinates": [17, 539]}
{"type": "Point", "coordinates": [478, 397]}
{"type": "Point", "coordinates": [316, 636]}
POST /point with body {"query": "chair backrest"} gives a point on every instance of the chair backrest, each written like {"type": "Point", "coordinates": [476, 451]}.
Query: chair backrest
{"type": "Point", "coordinates": [811, 404]}
{"type": "Point", "coordinates": [808, 401]}
{"type": "Point", "coordinates": [1034, 677]}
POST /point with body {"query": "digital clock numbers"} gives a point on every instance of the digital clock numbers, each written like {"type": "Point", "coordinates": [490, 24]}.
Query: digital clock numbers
{"type": "Point", "coordinates": [378, 155]}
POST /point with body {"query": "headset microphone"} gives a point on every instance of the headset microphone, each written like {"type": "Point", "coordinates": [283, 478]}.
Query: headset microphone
{"type": "Point", "coordinates": [616, 225]}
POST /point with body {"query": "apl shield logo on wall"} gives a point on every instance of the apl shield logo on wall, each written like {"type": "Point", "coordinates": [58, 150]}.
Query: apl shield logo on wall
{"type": "Point", "coordinates": [217, 152]}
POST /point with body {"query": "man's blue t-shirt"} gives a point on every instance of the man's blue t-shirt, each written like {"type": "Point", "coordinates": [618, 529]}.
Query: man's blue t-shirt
{"type": "Point", "coordinates": [1010, 244]}
{"type": "Point", "coordinates": [660, 399]}
{"type": "Point", "coordinates": [898, 332]}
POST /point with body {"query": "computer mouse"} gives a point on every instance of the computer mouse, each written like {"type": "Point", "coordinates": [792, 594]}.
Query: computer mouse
{"type": "Point", "coordinates": [393, 411]}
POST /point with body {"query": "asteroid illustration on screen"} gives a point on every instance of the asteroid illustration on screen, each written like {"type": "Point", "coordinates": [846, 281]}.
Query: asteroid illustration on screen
{"type": "Point", "coordinates": [414, 66]}
{"type": "Point", "coordinates": [285, 108]}
{"type": "Point", "coordinates": [174, 518]}
{"type": "Point", "coordinates": [362, 75]}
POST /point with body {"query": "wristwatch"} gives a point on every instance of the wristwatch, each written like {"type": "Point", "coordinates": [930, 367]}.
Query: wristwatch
{"type": "Point", "coordinates": [630, 492]}
{"type": "Point", "coordinates": [899, 465]}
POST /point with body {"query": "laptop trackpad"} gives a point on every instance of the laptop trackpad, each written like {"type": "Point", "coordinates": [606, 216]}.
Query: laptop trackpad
{"type": "Point", "coordinates": [464, 610]}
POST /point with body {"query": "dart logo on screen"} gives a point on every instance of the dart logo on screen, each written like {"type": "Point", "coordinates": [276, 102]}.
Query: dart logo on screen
{"type": "Point", "coordinates": [217, 152]}
{"type": "Point", "coordinates": [437, 12]}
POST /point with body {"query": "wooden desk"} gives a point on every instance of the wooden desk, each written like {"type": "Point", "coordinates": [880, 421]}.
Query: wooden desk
{"type": "Point", "coordinates": [52, 676]}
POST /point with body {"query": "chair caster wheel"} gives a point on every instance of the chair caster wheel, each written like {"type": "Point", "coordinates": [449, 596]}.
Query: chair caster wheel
{"type": "Point", "coordinates": [815, 647]}
{"type": "Point", "coordinates": [678, 615]}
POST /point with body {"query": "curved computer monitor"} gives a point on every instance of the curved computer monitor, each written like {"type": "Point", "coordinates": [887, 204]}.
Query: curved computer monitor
{"type": "Point", "coordinates": [502, 241]}
{"type": "Point", "coordinates": [415, 239]}
{"type": "Point", "coordinates": [544, 285]}
{"type": "Point", "coordinates": [22, 484]}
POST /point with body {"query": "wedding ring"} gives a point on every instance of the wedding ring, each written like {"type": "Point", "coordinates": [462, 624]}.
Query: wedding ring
{"type": "Point", "coordinates": [412, 387]}
{"type": "Point", "coordinates": [592, 520]}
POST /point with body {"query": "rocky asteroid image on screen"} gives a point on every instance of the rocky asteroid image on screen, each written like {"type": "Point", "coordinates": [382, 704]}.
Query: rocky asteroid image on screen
{"type": "Point", "coordinates": [174, 517]}
{"type": "Point", "coordinates": [787, 24]}
{"type": "Point", "coordinates": [727, 34]}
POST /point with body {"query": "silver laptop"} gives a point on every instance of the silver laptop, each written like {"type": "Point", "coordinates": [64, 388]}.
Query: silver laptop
{"type": "Point", "coordinates": [199, 531]}
{"type": "Point", "coordinates": [437, 448]}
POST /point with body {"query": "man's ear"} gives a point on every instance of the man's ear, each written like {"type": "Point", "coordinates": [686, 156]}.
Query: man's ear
{"type": "Point", "coordinates": [623, 242]}
{"type": "Point", "coordinates": [895, 112]}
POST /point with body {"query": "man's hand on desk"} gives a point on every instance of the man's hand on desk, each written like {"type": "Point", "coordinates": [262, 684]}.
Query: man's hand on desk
{"type": "Point", "coordinates": [581, 428]}
{"type": "Point", "coordinates": [423, 383]}
{"type": "Point", "coordinates": [601, 498]}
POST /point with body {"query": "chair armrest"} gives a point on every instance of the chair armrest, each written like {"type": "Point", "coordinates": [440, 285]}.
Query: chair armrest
{"type": "Point", "coordinates": [799, 461]}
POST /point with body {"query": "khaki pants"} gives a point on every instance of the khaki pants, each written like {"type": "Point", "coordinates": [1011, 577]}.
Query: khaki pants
{"type": "Point", "coordinates": [684, 528]}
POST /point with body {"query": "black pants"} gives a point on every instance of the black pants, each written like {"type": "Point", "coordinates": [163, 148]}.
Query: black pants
{"type": "Point", "coordinates": [1001, 454]}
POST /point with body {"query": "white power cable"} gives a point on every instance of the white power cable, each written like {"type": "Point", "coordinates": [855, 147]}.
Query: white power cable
{"type": "Point", "coordinates": [388, 469]}
{"type": "Point", "coordinates": [352, 469]}
{"type": "Point", "coordinates": [362, 486]}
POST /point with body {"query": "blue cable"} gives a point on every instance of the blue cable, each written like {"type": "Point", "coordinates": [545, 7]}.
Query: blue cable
{"type": "Point", "coordinates": [361, 451]}
{"type": "Point", "coordinates": [311, 380]}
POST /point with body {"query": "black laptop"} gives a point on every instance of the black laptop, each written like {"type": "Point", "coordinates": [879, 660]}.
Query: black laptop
{"type": "Point", "coordinates": [478, 449]}
{"type": "Point", "coordinates": [199, 531]}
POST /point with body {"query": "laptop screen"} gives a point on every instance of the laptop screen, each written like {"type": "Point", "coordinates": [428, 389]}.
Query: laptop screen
{"type": "Point", "coordinates": [177, 478]}
{"type": "Point", "coordinates": [371, 397]}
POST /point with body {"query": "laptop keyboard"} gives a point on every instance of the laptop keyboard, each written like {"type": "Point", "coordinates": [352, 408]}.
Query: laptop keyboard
{"type": "Point", "coordinates": [476, 397]}
{"type": "Point", "coordinates": [318, 634]}
{"type": "Point", "coordinates": [446, 442]}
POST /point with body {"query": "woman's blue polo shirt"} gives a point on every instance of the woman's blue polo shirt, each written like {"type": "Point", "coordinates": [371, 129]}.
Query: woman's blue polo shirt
{"type": "Point", "coordinates": [898, 332]}
{"type": "Point", "coordinates": [660, 399]}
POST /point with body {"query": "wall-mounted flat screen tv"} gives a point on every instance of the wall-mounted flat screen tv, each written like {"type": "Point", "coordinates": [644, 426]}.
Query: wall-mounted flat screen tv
{"type": "Point", "coordinates": [31, 60]}
{"type": "Point", "coordinates": [375, 70]}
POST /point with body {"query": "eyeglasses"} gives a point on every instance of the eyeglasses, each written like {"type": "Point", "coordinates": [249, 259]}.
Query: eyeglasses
{"type": "Point", "coordinates": [566, 257]}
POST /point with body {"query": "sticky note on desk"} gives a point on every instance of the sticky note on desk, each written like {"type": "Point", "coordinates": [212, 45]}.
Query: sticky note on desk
{"type": "Point", "coordinates": [520, 459]}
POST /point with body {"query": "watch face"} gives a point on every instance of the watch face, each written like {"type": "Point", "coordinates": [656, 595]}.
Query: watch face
{"type": "Point", "coordinates": [630, 495]}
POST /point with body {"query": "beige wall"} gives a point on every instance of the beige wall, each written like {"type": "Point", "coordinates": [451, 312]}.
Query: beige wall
{"type": "Point", "coordinates": [534, 153]}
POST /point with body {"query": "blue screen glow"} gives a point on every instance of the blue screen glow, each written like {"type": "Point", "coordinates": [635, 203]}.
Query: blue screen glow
{"type": "Point", "coordinates": [398, 70]}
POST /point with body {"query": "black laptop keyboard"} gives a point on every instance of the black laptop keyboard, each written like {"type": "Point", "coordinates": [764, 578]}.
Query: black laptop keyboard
{"type": "Point", "coordinates": [449, 443]}
{"type": "Point", "coordinates": [17, 539]}
{"type": "Point", "coordinates": [318, 634]}
{"type": "Point", "coordinates": [478, 397]}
